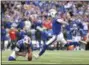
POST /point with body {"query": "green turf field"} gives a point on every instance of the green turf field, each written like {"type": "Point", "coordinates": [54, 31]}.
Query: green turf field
{"type": "Point", "coordinates": [51, 57]}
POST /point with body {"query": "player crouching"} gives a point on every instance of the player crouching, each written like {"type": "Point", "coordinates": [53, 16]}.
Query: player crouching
{"type": "Point", "coordinates": [23, 48]}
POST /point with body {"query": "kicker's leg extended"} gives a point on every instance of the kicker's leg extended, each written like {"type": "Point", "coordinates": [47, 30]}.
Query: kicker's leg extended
{"type": "Point", "coordinates": [49, 42]}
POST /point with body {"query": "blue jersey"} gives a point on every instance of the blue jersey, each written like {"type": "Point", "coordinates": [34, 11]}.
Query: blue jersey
{"type": "Point", "coordinates": [80, 29]}
{"type": "Point", "coordinates": [8, 24]}
{"type": "Point", "coordinates": [21, 34]}
{"type": "Point", "coordinates": [79, 24]}
{"type": "Point", "coordinates": [35, 24]}
{"type": "Point", "coordinates": [75, 33]}
{"type": "Point", "coordinates": [21, 45]}
{"type": "Point", "coordinates": [56, 27]}
{"type": "Point", "coordinates": [21, 24]}
{"type": "Point", "coordinates": [68, 34]}
{"type": "Point", "coordinates": [3, 35]}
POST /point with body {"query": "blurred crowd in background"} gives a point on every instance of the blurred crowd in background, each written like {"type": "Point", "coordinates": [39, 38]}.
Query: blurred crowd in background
{"type": "Point", "coordinates": [19, 18]}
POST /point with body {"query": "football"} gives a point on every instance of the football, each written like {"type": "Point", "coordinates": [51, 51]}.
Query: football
{"type": "Point", "coordinates": [30, 56]}
{"type": "Point", "coordinates": [71, 47]}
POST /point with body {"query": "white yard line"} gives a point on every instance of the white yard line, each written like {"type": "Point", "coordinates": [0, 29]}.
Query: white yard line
{"type": "Point", "coordinates": [13, 62]}
{"type": "Point", "coordinates": [17, 62]}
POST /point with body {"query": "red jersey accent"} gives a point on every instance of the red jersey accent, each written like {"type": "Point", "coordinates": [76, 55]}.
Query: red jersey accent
{"type": "Point", "coordinates": [12, 34]}
{"type": "Point", "coordinates": [47, 24]}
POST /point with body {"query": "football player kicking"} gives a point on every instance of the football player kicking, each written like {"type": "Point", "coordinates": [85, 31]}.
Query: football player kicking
{"type": "Point", "coordinates": [57, 32]}
{"type": "Point", "coordinates": [23, 48]}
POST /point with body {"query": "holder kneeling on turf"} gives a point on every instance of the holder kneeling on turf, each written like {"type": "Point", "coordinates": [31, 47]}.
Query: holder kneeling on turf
{"type": "Point", "coordinates": [23, 48]}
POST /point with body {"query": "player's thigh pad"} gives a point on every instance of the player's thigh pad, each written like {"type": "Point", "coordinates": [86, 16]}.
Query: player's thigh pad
{"type": "Point", "coordinates": [60, 38]}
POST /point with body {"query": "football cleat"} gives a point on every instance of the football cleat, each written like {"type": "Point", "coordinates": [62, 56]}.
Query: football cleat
{"type": "Point", "coordinates": [11, 58]}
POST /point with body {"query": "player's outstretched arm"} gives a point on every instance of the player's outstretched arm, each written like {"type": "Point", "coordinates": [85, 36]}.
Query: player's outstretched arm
{"type": "Point", "coordinates": [62, 21]}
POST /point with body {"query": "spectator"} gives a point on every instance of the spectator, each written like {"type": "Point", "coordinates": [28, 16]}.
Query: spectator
{"type": "Point", "coordinates": [21, 24]}
{"type": "Point", "coordinates": [27, 24]}
{"type": "Point", "coordinates": [47, 24]}
{"type": "Point", "coordinates": [4, 38]}
{"type": "Point", "coordinates": [13, 37]}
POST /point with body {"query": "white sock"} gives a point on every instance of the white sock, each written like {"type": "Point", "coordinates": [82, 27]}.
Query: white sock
{"type": "Point", "coordinates": [13, 54]}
